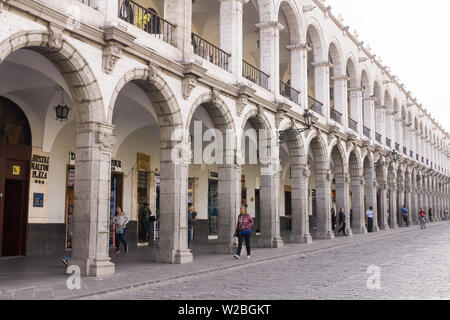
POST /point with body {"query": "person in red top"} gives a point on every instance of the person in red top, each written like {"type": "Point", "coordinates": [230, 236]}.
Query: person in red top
{"type": "Point", "coordinates": [422, 218]}
{"type": "Point", "coordinates": [243, 231]}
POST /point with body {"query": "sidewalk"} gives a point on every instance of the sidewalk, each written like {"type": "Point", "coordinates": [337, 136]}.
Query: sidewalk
{"type": "Point", "coordinates": [45, 278]}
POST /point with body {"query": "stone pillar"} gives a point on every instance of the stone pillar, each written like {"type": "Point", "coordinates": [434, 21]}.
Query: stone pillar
{"type": "Point", "coordinates": [340, 97]}
{"type": "Point", "coordinates": [393, 206]}
{"type": "Point", "coordinates": [269, 207]}
{"type": "Point", "coordinates": [229, 204]}
{"type": "Point", "coordinates": [401, 201]}
{"type": "Point", "coordinates": [323, 203]}
{"type": "Point", "coordinates": [110, 10]}
{"type": "Point", "coordinates": [343, 199]}
{"type": "Point", "coordinates": [369, 115]}
{"type": "Point", "coordinates": [414, 209]}
{"type": "Point", "coordinates": [179, 12]}
{"type": "Point", "coordinates": [408, 203]}
{"type": "Point", "coordinates": [231, 33]}
{"type": "Point", "coordinates": [299, 65]}
{"type": "Point", "coordinates": [269, 35]}
{"type": "Point", "coordinates": [371, 198]}
{"type": "Point", "coordinates": [299, 195]}
{"type": "Point", "coordinates": [173, 227]}
{"type": "Point", "coordinates": [384, 225]}
{"type": "Point", "coordinates": [94, 142]}
{"type": "Point", "coordinates": [322, 82]}
{"type": "Point", "coordinates": [359, 225]}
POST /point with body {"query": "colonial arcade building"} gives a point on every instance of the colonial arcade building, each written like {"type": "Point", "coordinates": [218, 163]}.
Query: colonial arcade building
{"type": "Point", "coordinates": [100, 101]}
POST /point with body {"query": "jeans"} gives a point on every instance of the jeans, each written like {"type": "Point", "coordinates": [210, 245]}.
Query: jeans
{"type": "Point", "coordinates": [431, 219]}
{"type": "Point", "coordinates": [120, 237]}
{"type": "Point", "coordinates": [342, 228]}
{"type": "Point", "coordinates": [405, 218]}
{"type": "Point", "coordinates": [189, 236]}
{"type": "Point", "coordinates": [68, 256]}
{"type": "Point", "coordinates": [145, 229]}
{"type": "Point", "coordinates": [369, 224]}
{"type": "Point", "coordinates": [241, 238]}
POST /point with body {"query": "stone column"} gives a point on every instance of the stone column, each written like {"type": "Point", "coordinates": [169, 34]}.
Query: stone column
{"type": "Point", "coordinates": [323, 203]}
{"type": "Point", "coordinates": [393, 206]}
{"type": "Point", "coordinates": [384, 225]}
{"type": "Point", "coordinates": [179, 12]}
{"type": "Point", "coordinates": [173, 227]}
{"type": "Point", "coordinates": [368, 115]}
{"type": "Point", "coordinates": [371, 198]}
{"type": "Point", "coordinates": [299, 65]}
{"type": "Point", "coordinates": [408, 203]}
{"type": "Point", "coordinates": [322, 83]}
{"type": "Point", "coordinates": [231, 33]}
{"type": "Point", "coordinates": [401, 201]}
{"type": "Point", "coordinates": [299, 196]}
{"type": "Point", "coordinates": [414, 210]}
{"type": "Point", "coordinates": [269, 37]}
{"type": "Point", "coordinates": [229, 194]}
{"type": "Point", "coordinates": [359, 225]}
{"type": "Point", "coordinates": [340, 98]}
{"type": "Point", "coordinates": [269, 207]}
{"type": "Point", "coordinates": [343, 199]}
{"type": "Point", "coordinates": [94, 142]}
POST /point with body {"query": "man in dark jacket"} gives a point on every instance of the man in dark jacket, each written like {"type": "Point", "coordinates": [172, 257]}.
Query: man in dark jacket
{"type": "Point", "coordinates": [342, 221]}
{"type": "Point", "coordinates": [191, 222]}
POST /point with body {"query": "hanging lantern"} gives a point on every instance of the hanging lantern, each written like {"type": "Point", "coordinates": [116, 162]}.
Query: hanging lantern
{"type": "Point", "coordinates": [62, 110]}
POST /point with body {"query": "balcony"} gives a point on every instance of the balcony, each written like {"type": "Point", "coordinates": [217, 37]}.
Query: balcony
{"type": "Point", "coordinates": [411, 154]}
{"type": "Point", "coordinates": [405, 151]}
{"type": "Point", "coordinates": [255, 75]}
{"type": "Point", "coordinates": [366, 132]}
{"type": "Point", "coordinates": [388, 142]}
{"type": "Point", "coordinates": [315, 105]}
{"type": "Point", "coordinates": [335, 115]}
{"type": "Point", "coordinates": [146, 20]}
{"type": "Point", "coordinates": [378, 137]}
{"type": "Point", "coordinates": [205, 49]}
{"type": "Point", "coordinates": [289, 92]}
{"type": "Point", "coordinates": [397, 147]}
{"type": "Point", "coordinates": [352, 124]}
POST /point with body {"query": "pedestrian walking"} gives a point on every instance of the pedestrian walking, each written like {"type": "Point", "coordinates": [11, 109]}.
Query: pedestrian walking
{"type": "Point", "coordinates": [446, 214]}
{"type": "Point", "coordinates": [191, 222]}
{"type": "Point", "coordinates": [342, 221]}
{"type": "Point", "coordinates": [146, 217]}
{"type": "Point", "coordinates": [333, 219]}
{"type": "Point", "coordinates": [120, 221]}
{"type": "Point", "coordinates": [430, 214]}
{"type": "Point", "coordinates": [405, 215]}
{"type": "Point", "coordinates": [422, 216]}
{"type": "Point", "coordinates": [369, 214]}
{"type": "Point", "coordinates": [243, 232]}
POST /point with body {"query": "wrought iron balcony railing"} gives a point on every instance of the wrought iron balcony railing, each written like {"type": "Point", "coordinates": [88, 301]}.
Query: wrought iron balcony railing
{"type": "Point", "coordinates": [388, 142]}
{"type": "Point", "coordinates": [336, 115]}
{"type": "Point", "coordinates": [205, 49]}
{"type": "Point", "coordinates": [90, 3]}
{"type": "Point", "coordinates": [366, 132]}
{"type": "Point", "coordinates": [315, 105]}
{"type": "Point", "coordinates": [289, 92]}
{"type": "Point", "coordinates": [352, 124]}
{"type": "Point", "coordinates": [146, 20]}
{"type": "Point", "coordinates": [255, 75]}
{"type": "Point", "coordinates": [378, 137]}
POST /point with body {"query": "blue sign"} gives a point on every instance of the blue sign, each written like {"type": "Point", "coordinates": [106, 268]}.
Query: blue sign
{"type": "Point", "coordinates": [38, 200]}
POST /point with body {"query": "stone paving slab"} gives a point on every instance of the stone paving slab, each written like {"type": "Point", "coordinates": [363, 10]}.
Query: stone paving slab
{"type": "Point", "coordinates": [45, 278]}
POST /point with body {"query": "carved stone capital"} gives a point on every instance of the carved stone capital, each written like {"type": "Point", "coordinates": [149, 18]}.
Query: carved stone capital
{"type": "Point", "coordinates": [188, 84]}
{"type": "Point", "coordinates": [244, 93]}
{"type": "Point", "coordinates": [111, 54]}
{"type": "Point", "coordinates": [153, 72]}
{"type": "Point", "coordinates": [215, 96]}
{"type": "Point", "coordinates": [105, 139]}
{"type": "Point", "coordinates": [270, 25]}
{"type": "Point", "coordinates": [55, 36]}
{"type": "Point", "coordinates": [306, 173]}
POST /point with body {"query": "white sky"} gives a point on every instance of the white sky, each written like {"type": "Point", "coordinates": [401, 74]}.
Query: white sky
{"type": "Point", "coordinates": [413, 38]}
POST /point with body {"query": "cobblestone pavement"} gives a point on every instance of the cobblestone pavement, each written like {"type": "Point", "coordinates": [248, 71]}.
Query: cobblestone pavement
{"type": "Point", "coordinates": [413, 265]}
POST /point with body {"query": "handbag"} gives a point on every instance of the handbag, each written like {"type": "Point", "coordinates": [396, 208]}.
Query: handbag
{"type": "Point", "coordinates": [119, 229]}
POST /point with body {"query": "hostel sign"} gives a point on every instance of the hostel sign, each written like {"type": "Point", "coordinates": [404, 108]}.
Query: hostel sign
{"type": "Point", "coordinates": [39, 168]}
